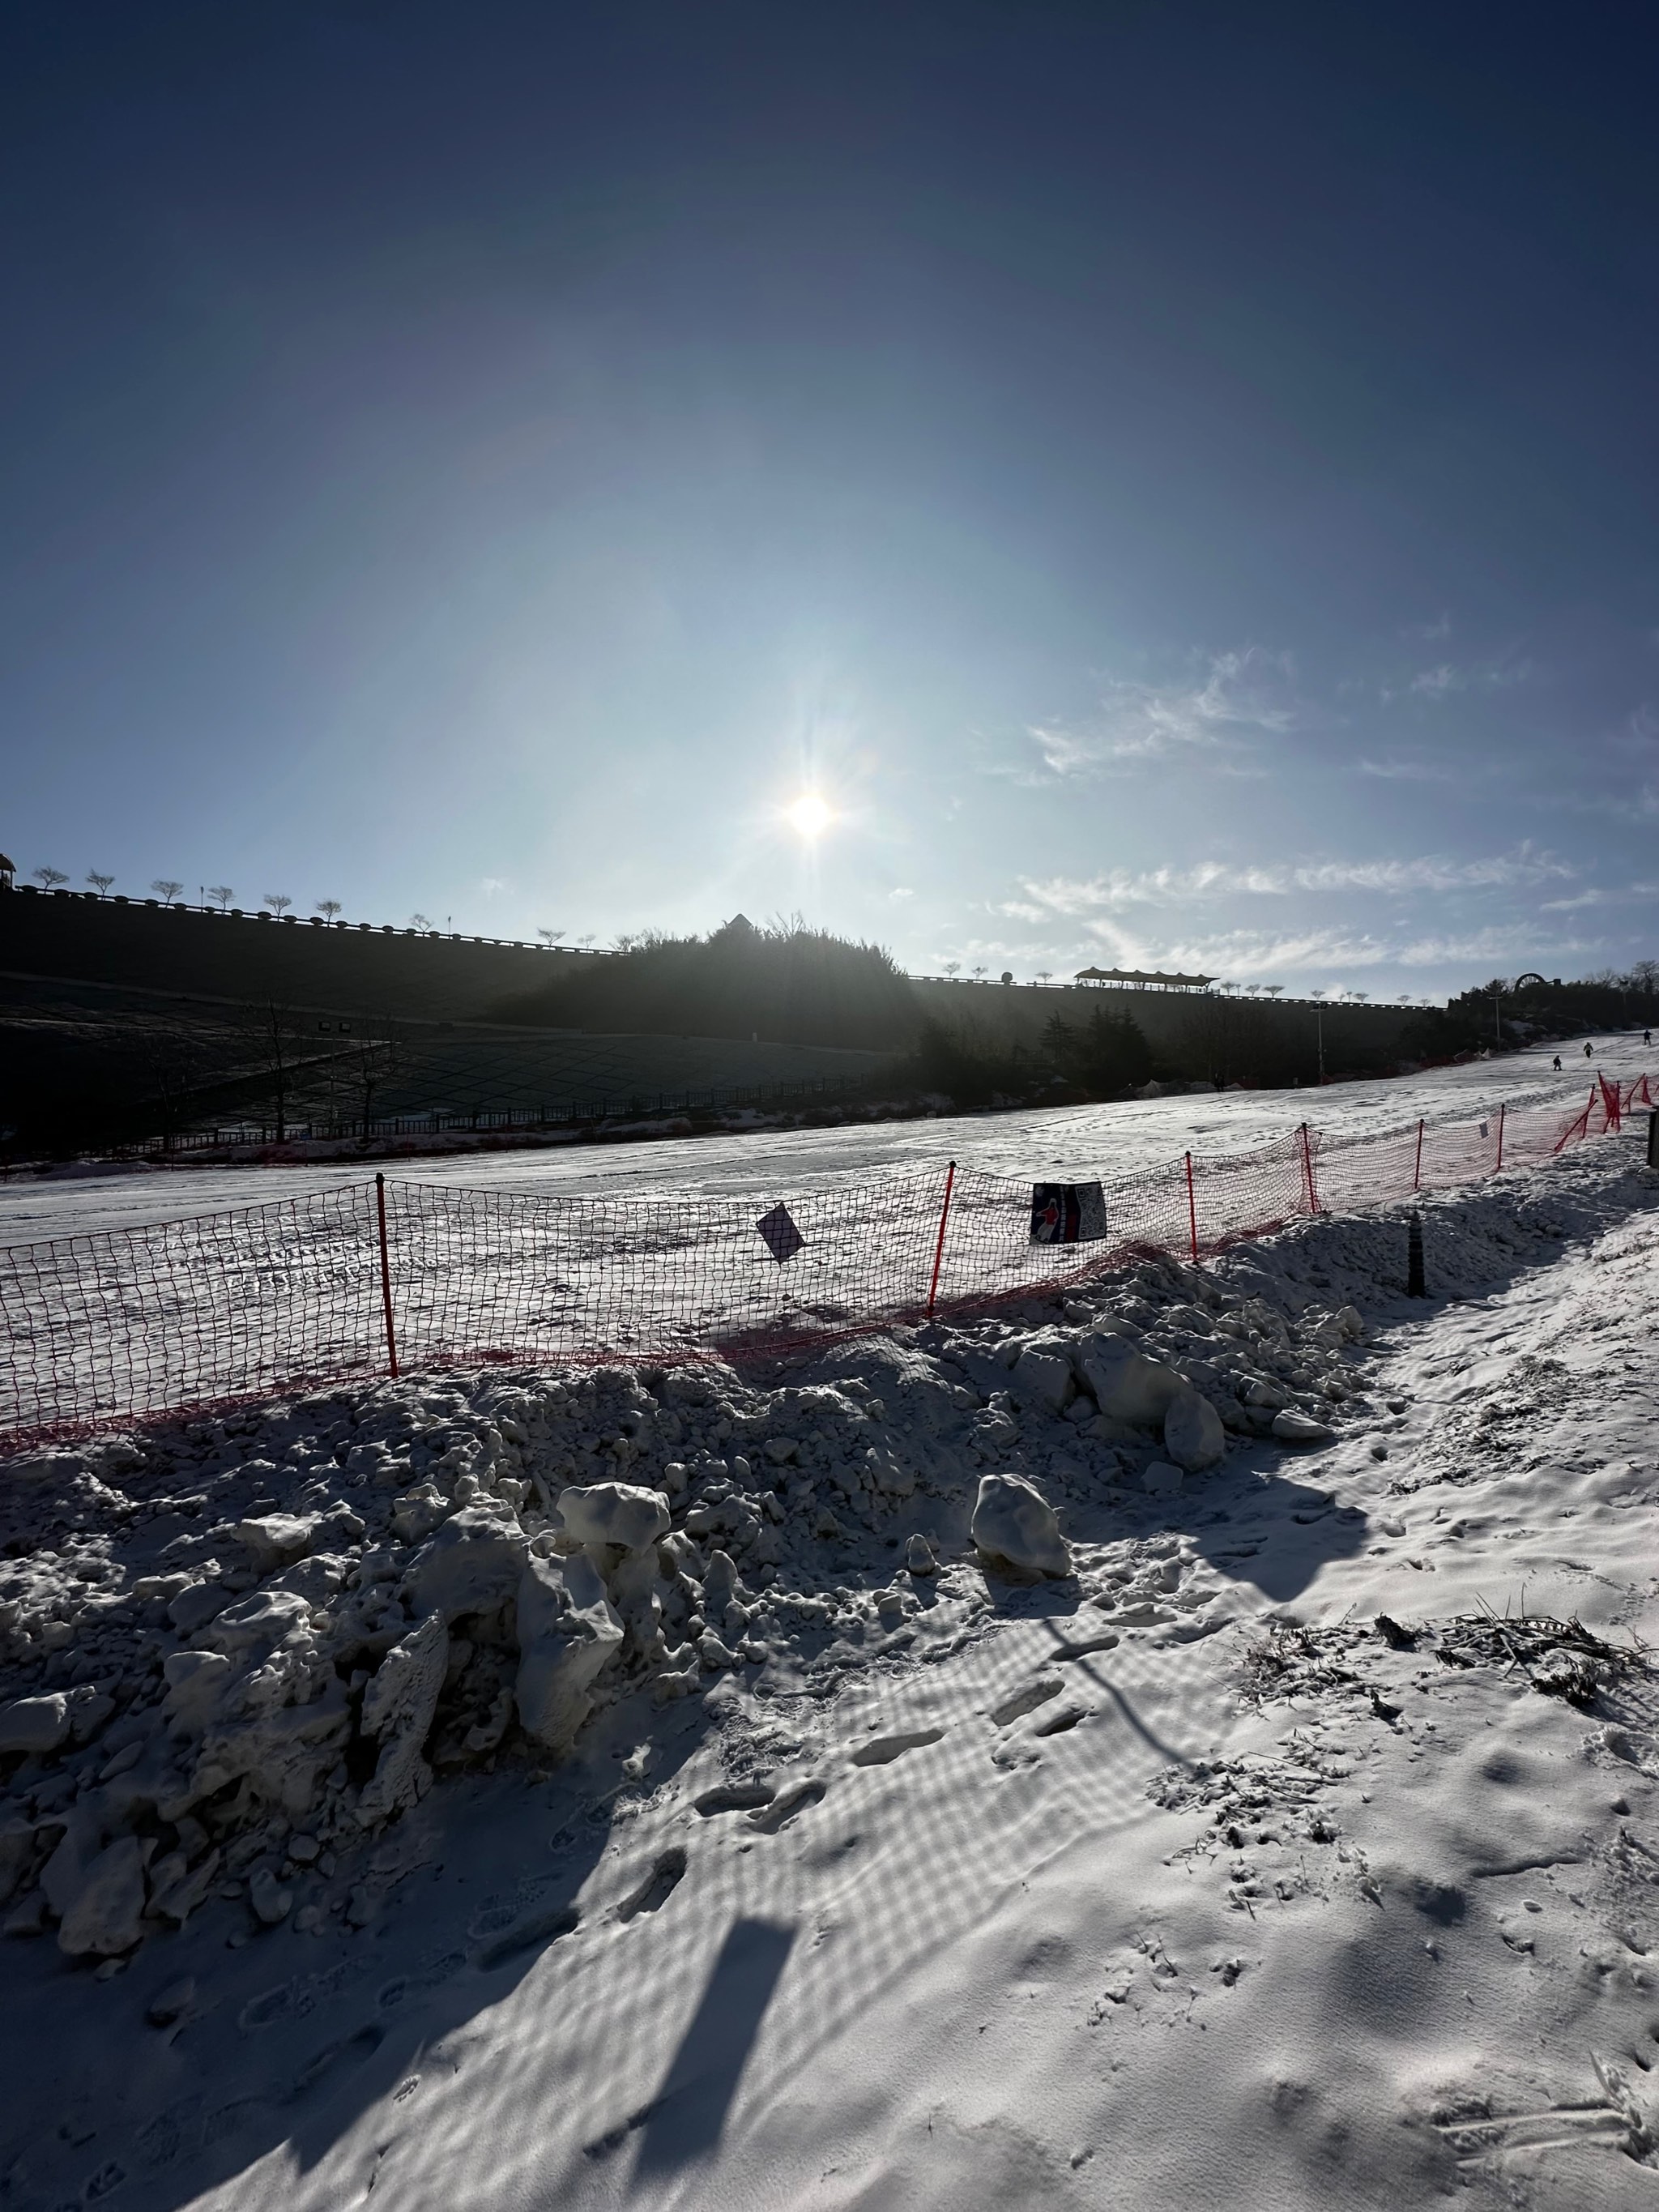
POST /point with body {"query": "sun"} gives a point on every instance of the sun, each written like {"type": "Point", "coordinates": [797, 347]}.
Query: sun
{"type": "Point", "coordinates": [809, 815]}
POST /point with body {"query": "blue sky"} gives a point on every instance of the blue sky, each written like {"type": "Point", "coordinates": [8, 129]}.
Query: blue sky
{"type": "Point", "coordinates": [1179, 480]}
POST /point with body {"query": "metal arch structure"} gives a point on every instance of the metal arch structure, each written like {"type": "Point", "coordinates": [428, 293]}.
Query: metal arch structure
{"type": "Point", "coordinates": [1531, 976]}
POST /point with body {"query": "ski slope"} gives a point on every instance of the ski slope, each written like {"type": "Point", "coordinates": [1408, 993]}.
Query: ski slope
{"type": "Point", "coordinates": [1071, 1142]}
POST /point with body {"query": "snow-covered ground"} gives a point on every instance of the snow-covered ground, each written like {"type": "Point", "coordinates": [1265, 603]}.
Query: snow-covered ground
{"type": "Point", "coordinates": [1073, 1141]}
{"type": "Point", "coordinates": [881, 1875]}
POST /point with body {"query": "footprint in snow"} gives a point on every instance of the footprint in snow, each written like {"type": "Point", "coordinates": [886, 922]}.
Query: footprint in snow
{"type": "Point", "coordinates": [655, 1890]}
{"type": "Point", "coordinates": [734, 1797]}
{"type": "Point", "coordinates": [782, 1810]}
{"type": "Point", "coordinates": [883, 1750]}
{"type": "Point", "coordinates": [1026, 1700]}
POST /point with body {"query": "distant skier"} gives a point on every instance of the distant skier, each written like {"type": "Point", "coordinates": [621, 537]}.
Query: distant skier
{"type": "Point", "coordinates": [1589, 1051]}
{"type": "Point", "coordinates": [1647, 1037]}
{"type": "Point", "coordinates": [1557, 1063]}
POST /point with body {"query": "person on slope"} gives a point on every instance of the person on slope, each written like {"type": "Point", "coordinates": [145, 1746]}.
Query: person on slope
{"type": "Point", "coordinates": [1589, 1049]}
{"type": "Point", "coordinates": [1557, 1063]}
{"type": "Point", "coordinates": [1647, 1037]}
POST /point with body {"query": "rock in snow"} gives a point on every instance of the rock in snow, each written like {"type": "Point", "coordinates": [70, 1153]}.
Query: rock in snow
{"type": "Point", "coordinates": [1014, 1524]}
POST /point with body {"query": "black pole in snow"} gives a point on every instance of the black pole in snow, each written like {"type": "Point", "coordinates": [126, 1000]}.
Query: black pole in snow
{"type": "Point", "coordinates": [1415, 1287]}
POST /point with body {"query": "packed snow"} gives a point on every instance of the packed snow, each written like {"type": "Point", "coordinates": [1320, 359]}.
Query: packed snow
{"type": "Point", "coordinates": [1190, 1739]}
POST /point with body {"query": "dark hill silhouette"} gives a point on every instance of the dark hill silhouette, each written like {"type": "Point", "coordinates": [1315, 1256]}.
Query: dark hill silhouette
{"type": "Point", "coordinates": [783, 982]}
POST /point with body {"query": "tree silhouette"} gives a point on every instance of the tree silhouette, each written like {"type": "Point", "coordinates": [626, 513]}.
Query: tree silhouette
{"type": "Point", "coordinates": [551, 937]}
{"type": "Point", "coordinates": [1362, 996]}
{"type": "Point", "coordinates": [587, 937]}
{"type": "Point", "coordinates": [49, 877]}
{"type": "Point", "coordinates": [278, 902]}
{"type": "Point", "coordinates": [221, 895]}
{"type": "Point", "coordinates": [1045, 974]}
{"type": "Point", "coordinates": [328, 908]}
{"type": "Point", "coordinates": [165, 889]}
{"type": "Point", "coordinates": [100, 884]}
{"type": "Point", "coordinates": [1273, 990]}
{"type": "Point", "coordinates": [953, 969]}
{"type": "Point", "coordinates": [419, 921]}
{"type": "Point", "coordinates": [980, 970]}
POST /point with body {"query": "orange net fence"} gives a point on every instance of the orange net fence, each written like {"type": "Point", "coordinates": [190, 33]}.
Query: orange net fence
{"type": "Point", "coordinates": [378, 1276]}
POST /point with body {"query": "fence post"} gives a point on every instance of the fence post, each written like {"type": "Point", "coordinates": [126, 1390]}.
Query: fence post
{"type": "Point", "coordinates": [1416, 1172]}
{"type": "Point", "coordinates": [939, 1248]}
{"type": "Point", "coordinates": [1192, 1212]}
{"type": "Point", "coordinates": [1501, 1111]}
{"type": "Point", "coordinates": [385, 1275]}
{"type": "Point", "coordinates": [1306, 1171]}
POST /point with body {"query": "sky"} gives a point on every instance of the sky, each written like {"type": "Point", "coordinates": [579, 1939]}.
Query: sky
{"type": "Point", "coordinates": [1176, 481]}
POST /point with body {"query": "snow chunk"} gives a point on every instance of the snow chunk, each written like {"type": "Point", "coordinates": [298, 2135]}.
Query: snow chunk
{"type": "Point", "coordinates": [275, 1539]}
{"type": "Point", "coordinates": [398, 1708]}
{"type": "Point", "coordinates": [264, 1617]}
{"type": "Point", "coordinates": [35, 1724]}
{"type": "Point", "coordinates": [196, 1681]}
{"type": "Point", "coordinates": [1294, 1428]}
{"type": "Point", "coordinates": [1161, 1479]}
{"type": "Point", "coordinates": [1127, 1386]}
{"type": "Point", "coordinates": [107, 1914]}
{"type": "Point", "coordinates": [568, 1632]}
{"type": "Point", "coordinates": [472, 1564]}
{"type": "Point", "coordinates": [620, 1515]}
{"type": "Point", "coordinates": [1192, 1434]}
{"type": "Point", "coordinates": [1045, 1374]}
{"type": "Point", "coordinates": [919, 1556]}
{"type": "Point", "coordinates": [1014, 1523]}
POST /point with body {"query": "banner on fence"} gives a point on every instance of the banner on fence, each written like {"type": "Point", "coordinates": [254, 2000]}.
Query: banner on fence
{"type": "Point", "coordinates": [1067, 1213]}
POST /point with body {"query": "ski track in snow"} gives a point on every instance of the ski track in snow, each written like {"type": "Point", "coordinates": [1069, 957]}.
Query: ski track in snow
{"type": "Point", "coordinates": [970, 1892]}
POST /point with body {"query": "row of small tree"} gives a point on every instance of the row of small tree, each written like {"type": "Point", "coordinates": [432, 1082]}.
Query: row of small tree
{"type": "Point", "coordinates": [278, 903]}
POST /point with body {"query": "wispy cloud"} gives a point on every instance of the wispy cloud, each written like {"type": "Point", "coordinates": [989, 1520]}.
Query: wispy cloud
{"type": "Point", "coordinates": [1594, 895]}
{"type": "Point", "coordinates": [1118, 888]}
{"type": "Point", "coordinates": [1409, 771]}
{"type": "Point", "coordinates": [1241, 697]}
{"type": "Point", "coordinates": [1240, 954]}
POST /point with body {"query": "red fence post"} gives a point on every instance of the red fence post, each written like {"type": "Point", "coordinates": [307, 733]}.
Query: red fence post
{"type": "Point", "coordinates": [1416, 1172]}
{"type": "Point", "coordinates": [939, 1248]}
{"type": "Point", "coordinates": [1500, 1135]}
{"type": "Point", "coordinates": [1192, 1212]}
{"type": "Point", "coordinates": [385, 1275]}
{"type": "Point", "coordinates": [1306, 1171]}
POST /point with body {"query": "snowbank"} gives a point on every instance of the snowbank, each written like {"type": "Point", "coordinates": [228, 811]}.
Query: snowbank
{"type": "Point", "coordinates": [260, 1672]}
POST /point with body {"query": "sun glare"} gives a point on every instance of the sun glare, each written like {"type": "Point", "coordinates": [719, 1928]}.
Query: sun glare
{"type": "Point", "coordinates": [809, 815]}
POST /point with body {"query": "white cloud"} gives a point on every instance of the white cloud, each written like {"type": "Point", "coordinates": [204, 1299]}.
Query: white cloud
{"type": "Point", "coordinates": [490, 885]}
{"type": "Point", "coordinates": [1118, 890]}
{"type": "Point", "coordinates": [1243, 696]}
{"type": "Point", "coordinates": [1240, 954]}
{"type": "Point", "coordinates": [902, 891]}
{"type": "Point", "coordinates": [1435, 683]}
